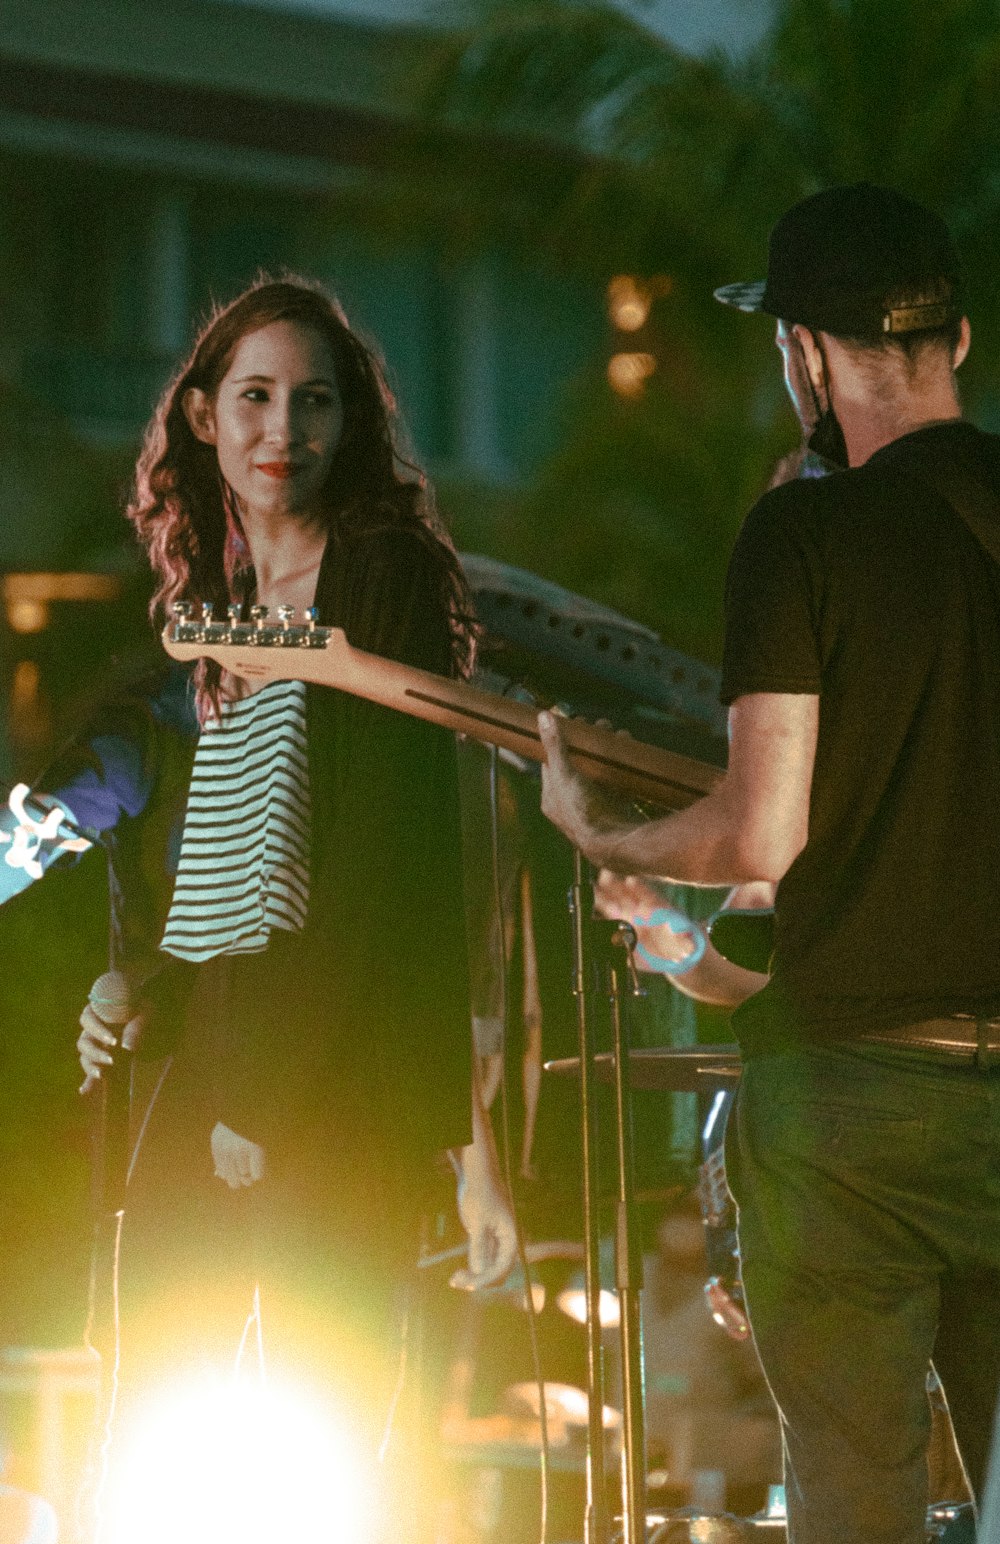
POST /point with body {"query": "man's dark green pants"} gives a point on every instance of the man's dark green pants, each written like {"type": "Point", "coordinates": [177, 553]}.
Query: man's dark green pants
{"type": "Point", "coordinates": [868, 1184]}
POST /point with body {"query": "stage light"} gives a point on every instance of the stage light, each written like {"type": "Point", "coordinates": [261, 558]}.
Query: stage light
{"type": "Point", "coordinates": [220, 1460]}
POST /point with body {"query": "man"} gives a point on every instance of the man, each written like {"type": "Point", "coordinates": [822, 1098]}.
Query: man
{"type": "Point", "coordinates": [861, 671]}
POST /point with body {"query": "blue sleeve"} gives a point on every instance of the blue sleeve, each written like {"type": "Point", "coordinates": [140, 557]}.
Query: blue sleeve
{"type": "Point", "coordinates": [109, 769]}
{"type": "Point", "coordinates": [107, 772]}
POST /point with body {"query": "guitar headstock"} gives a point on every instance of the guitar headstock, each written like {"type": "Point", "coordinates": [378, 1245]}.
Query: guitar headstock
{"type": "Point", "coordinates": [190, 636]}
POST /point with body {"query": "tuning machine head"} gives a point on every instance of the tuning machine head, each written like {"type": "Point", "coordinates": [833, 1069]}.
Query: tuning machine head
{"type": "Point", "coordinates": [312, 617]}
{"type": "Point", "coordinates": [258, 616]}
{"type": "Point", "coordinates": [286, 616]}
{"type": "Point", "coordinates": [182, 612]}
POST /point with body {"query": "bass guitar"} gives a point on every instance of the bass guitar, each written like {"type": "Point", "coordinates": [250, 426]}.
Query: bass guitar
{"type": "Point", "coordinates": [260, 649]}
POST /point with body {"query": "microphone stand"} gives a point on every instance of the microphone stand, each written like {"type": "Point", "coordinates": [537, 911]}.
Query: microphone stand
{"type": "Point", "coordinates": [581, 906]}
{"type": "Point", "coordinates": [597, 956]}
{"type": "Point", "coordinates": [628, 1250]}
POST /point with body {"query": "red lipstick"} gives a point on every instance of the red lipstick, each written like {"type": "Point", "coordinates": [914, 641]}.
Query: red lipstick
{"type": "Point", "coordinates": [279, 469]}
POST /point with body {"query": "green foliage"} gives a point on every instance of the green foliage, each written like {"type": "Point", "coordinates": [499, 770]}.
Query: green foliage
{"type": "Point", "coordinates": [51, 488]}
{"type": "Point", "coordinates": [712, 150]}
{"type": "Point", "coordinates": [686, 164]}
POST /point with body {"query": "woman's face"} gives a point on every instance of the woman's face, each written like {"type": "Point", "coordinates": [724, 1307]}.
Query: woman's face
{"type": "Point", "coordinates": [275, 421]}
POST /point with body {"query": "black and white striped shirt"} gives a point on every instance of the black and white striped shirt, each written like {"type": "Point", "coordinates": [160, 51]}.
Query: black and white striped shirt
{"type": "Point", "coordinates": [244, 861]}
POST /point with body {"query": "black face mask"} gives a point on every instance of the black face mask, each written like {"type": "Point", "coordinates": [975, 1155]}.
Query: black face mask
{"type": "Point", "coordinates": [827, 438]}
{"type": "Point", "coordinates": [827, 441]}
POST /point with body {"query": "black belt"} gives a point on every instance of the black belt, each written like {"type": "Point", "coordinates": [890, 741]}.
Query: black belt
{"type": "Point", "coordinates": [962, 1035]}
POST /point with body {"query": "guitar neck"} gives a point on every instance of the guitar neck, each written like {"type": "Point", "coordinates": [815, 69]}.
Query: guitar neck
{"type": "Point", "coordinates": [323, 657]}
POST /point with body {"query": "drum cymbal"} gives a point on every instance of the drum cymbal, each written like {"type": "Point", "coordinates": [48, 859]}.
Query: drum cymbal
{"type": "Point", "coordinates": [690, 1069]}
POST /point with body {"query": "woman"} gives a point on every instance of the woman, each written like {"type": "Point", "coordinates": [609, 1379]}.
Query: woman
{"type": "Point", "coordinates": [314, 954]}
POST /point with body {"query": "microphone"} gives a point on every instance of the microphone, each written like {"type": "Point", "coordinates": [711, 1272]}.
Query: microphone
{"type": "Point", "coordinates": [110, 998]}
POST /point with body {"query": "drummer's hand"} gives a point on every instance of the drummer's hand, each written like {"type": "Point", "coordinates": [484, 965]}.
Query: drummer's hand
{"type": "Point", "coordinates": [574, 805]}
{"type": "Point", "coordinates": [237, 1160]}
{"type": "Point", "coordinates": [665, 936]}
{"type": "Point", "coordinates": [97, 1041]}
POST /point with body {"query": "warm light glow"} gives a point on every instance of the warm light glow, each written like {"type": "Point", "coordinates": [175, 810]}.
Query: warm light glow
{"type": "Point", "coordinates": [629, 302]}
{"type": "Point", "coordinates": [27, 597]}
{"type": "Point", "coordinates": [217, 1461]}
{"type": "Point", "coordinates": [27, 616]}
{"type": "Point", "coordinates": [24, 687]}
{"type": "Point", "coordinates": [628, 373]}
{"type": "Point", "coordinates": [563, 1402]}
{"type": "Point", "coordinates": [573, 1301]}
{"type": "Point", "coordinates": [630, 299]}
{"type": "Point", "coordinates": [60, 586]}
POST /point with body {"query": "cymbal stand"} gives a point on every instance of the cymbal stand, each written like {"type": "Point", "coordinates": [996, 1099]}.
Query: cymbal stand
{"type": "Point", "coordinates": [581, 905]}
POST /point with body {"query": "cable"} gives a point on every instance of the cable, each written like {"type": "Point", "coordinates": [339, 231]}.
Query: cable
{"type": "Point", "coordinates": [103, 1437]}
{"type": "Point", "coordinates": [543, 1467]}
{"type": "Point", "coordinates": [96, 1479]}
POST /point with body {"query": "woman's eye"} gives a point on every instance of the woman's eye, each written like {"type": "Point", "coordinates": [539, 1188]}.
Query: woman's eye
{"type": "Point", "coordinates": [255, 394]}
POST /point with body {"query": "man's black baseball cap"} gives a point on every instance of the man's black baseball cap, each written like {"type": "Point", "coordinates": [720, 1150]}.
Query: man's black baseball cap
{"type": "Point", "coordinates": [836, 259]}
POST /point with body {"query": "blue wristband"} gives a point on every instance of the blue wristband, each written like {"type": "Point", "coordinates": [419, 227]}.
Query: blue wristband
{"type": "Point", "coordinates": [677, 923]}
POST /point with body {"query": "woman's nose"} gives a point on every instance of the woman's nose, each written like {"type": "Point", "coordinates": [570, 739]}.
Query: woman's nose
{"type": "Point", "coordinates": [283, 421]}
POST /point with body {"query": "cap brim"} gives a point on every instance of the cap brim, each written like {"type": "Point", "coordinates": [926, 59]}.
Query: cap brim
{"type": "Point", "coordinates": [745, 297]}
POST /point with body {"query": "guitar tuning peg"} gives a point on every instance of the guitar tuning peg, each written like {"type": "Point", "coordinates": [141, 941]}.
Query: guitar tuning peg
{"type": "Point", "coordinates": [234, 612]}
{"type": "Point", "coordinates": [286, 615]}
{"type": "Point", "coordinates": [312, 617]}
{"type": "Point", "coordinates": [182, 610]}
{"type": "Point", "coordinates": [207, 613]}
{"type": "Point", "coordinates": [258, 616]}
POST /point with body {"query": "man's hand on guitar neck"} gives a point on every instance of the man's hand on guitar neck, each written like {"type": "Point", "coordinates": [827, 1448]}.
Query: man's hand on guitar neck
{"type": "Point", "coordinates": [750, 826]}
{"type": "Point", "coordinates": [583, 812]}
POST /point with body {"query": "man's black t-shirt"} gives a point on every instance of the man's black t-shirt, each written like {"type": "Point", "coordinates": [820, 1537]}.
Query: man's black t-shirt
{"type": "Point", "coordinates": [869, 589]}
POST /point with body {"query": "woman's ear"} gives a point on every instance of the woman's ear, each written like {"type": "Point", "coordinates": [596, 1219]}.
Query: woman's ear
{"type": "Point", "coordinates": [200, 414]}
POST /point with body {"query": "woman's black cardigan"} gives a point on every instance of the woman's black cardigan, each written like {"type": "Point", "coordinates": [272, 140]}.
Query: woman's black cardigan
{"type": "Point", "coordinates": [380, 1003]}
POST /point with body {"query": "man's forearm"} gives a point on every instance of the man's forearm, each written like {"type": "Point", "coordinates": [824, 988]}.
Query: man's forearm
{"type": "Point", "coordinates": [698, 846]}
{"type": "Point", "coordinates": [750, 827]}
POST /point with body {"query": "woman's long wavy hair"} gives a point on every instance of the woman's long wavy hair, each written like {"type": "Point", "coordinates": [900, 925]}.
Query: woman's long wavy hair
{"type": "Point", "coordinates": [187, 518]}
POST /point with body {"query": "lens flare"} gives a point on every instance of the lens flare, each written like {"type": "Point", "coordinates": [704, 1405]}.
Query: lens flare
{"type": "Point", "coordinates": [216, 1460]}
